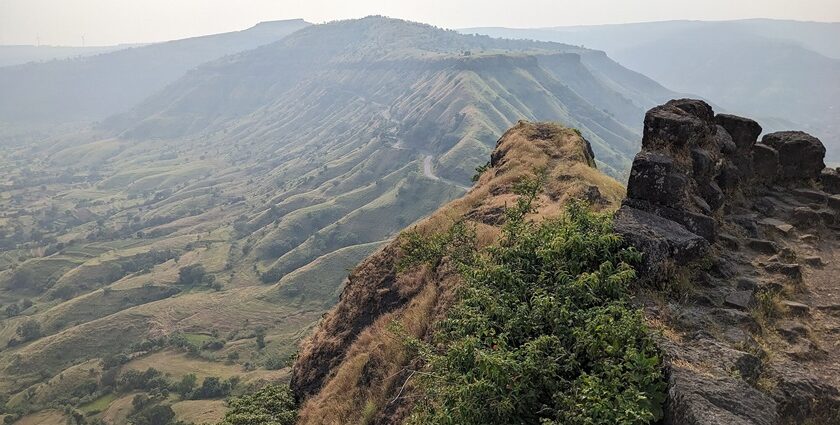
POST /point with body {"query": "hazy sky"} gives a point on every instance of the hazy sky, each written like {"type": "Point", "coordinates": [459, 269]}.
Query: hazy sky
{"type": "Point", "coordinates": [102, 22]}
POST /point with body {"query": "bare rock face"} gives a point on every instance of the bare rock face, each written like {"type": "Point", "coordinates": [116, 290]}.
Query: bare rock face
{"type": "Point", "coordinates": [739, 221]}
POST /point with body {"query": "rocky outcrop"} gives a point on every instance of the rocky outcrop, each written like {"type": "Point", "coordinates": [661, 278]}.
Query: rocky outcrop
{"type": "Point", "coordinates": [736, 232]}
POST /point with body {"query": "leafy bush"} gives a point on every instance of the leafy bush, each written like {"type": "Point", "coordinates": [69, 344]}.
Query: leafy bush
{"type": "Point", "coordinates": [114, 360]}
{"type": "Point", "coordinates": [542, 331]}
{"type": "Point", "coordinates": [29, 330]}
{"type": "Point", "coordinates": [213, 344]}
{"type": "Point", "coordinates": [154, 415]}
{"type": "Point", "coordinates": [458, 243]}
{"type": "Point", "coordinates": [149, 380]}
{"type": "Point", "coordinates": [186, 385]}
{"type": "Point", "coordinates": [12, 310]}
{"type": "Point", "coordinates": [140, 401]}
{"type": "Point", "coordinates": [271, 405]}
{"type": "Point", "coordinates": [259, 334]}
{"type": "Point", "coordinates": [479, 171]}
{"type": "Point", "coordinates": [194, 274]}
{"type": "Point", "coordinates": [213, 387]}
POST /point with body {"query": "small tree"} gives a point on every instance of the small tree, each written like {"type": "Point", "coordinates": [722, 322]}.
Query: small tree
{"type": "Point", "coordinates": [12, 310]}
{"type": "Point", "coordinates": [139, 402]}
{"type": "Point", "coordinates": [29, 330]}
{"type": "Point", "coordinates": [154, 415]}
{"type": "Point", "coordinates": [260, 334]}
{"type": "Point", "coordinates": [213, 387]}
{"type": "Point", "coordinates": [191, 275]}
{"type": "Point", "coordinates": [186, 386]}
{"type": "Point", "coordinates": [23, 278]}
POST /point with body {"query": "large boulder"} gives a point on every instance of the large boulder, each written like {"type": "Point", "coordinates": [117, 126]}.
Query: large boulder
{"type": "Point", "coordinates": [704, 392]}
{"type": "Point", "coordinates": [696, 107]}
{"type": "Point", "coordinates": [697, 192]}
{"type": "Point", "coordinates": [660, 239]}
{"type": "Point", "coordinates": [654, 178]}
{"type": "Point", "coordinates": [697, 223]}
{"type": "Point", "coordinates": [724, 140]}
{"type": "Point", "coordinates": [695, 399]}
{"type": "Point", "coordinates": [744, 131]}
{"type": "Point", "coordinates": [800, 154]}
{"type": "Point", "coordinates": [678, 123]}
{"type": "Point", "coordinates": [801, 398]}
{"type": "Point", "coordinates": [712, 194]}
{"type": "Point", "coordinates": [702, 163]}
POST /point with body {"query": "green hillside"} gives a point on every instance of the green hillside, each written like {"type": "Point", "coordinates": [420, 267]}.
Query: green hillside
{"type": "Point", "coordinates": [211, 226]}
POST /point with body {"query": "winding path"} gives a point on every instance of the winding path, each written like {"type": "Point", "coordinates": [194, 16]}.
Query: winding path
{"type": "Point", "coordinates": [429, 172]}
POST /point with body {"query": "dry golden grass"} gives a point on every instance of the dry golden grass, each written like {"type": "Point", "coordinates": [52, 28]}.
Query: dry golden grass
{"type": "Point", "coordinates": [700, 369]}
{"type": "Point", "coordinates": [659, 325]}
{"type": "Point", "coordinates": [563, 156]}
{"type": "Point", "coordinates": [374, 368]}
{"type": "Point", "coordinates": [46, 417]}
{"type": "Point", "coordinates": [68, 380]}
{"type": "Point", "coordinates": [199, 411]}
{"type": "Point", "coordinates": [118, 411]}
{"type": "Point", "coordinates": [177, 364]}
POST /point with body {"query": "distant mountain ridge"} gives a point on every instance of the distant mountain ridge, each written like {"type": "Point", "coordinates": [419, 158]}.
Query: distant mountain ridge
{"type": "Point", "coordinates": [93, 87]}
{"type": "Point", "coordinates": [816, 36]}
{"type": "Point", "coordinates": [11, 55]}
{"type": "Point", "coordinates": [785, 73]}
{"type": "Point", "coordinates": [483, 84]}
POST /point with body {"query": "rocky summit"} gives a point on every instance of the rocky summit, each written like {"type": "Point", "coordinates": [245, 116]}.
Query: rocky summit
{"type": "Point", "coordinates": [740, 238]}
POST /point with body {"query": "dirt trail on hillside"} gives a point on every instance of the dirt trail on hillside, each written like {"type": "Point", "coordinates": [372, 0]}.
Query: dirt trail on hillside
{"type": "Point", "coordinates": [428, 171]}
{"type": "Point", "coordinates": [822, 295]}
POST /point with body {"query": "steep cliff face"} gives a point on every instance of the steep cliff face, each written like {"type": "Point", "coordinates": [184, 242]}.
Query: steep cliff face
{"type": "Point", "coordinates": [742, 237]}
{"type": "Point", "coordinates": [352, 369]}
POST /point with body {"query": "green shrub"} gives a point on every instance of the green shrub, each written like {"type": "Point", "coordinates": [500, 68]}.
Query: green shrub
{"type": "Point", "coordinates": [149, 380]}
{"type": "Point", "coordinates": [154, 415]}
{"type": "Point", "coordinates": [456, 243]}
{"type": "Point", "coordinates": [214, 387]}
{"type": "Point", "coordinates": [29, 330]}
{"type": "Point", "coordinates": [186, 385]}
{"type": "Point", "coordinates": [275, 362]}
{"type": "Point", "coordinates": [479, 171]}
{"type": "Point", "coordinates": [271, 405]}
{"type": "Point", "coordinates": [194, 274]}
{"type": "Point", "coordinates": [542, 331]}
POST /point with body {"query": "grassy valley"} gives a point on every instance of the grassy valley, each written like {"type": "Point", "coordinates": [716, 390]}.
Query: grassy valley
{"type": "Point", "coordinates": [202, 234]}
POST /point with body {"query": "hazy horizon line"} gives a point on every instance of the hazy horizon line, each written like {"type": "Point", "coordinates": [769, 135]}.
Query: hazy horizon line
{"type": "Point", "coordinates": [129, 44]}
